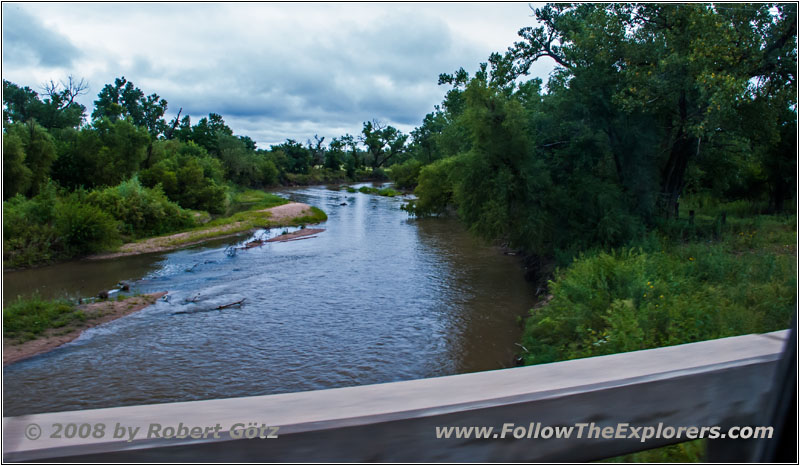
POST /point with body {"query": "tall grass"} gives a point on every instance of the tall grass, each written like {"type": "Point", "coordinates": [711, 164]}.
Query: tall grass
{"type": "Point", "coordinates": [661, 294]}
{"type": "Point", "coordinates": [25, 319]}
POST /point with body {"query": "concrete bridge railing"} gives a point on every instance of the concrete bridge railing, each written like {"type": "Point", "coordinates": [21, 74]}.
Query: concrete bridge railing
{"type": "Point", "coordinates": [723, 382]}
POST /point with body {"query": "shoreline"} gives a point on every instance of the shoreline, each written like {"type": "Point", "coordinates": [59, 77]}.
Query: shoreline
{"type": "Point", "coordinates": [97, 313]}
{"type": "Point", "coordinates": [278, 216]}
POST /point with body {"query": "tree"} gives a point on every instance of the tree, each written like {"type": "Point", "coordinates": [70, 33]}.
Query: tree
{"type": "Point", "coordinates": [124, 100]}
{"type": "Point", "coordinates": [298, 158]}
{"type": "Point", "coordinates": [58, 110]}
{"type": "Point", "coordinates": [104, 154]}
{"type": "Point", "coordinates": [317, 150]}
{"type": "Point", "coordinates": [686, 65]}
{"type": "Point", "coordinates": [16, 175]}
{"type": "Point", "coordinates": [350, 145]}
{"type": "Point", "coordinates": [32, 147]}
{"type": "Point", "coordinates": [383, 142]}
{"type": "Point", "coordinates": [335, 154]}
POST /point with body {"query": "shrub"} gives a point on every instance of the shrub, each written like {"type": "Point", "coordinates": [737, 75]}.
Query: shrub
{"type": "Point", "coordinates": [84, 228]}
{"type": "Point", "coordinates": [435, 189]}
{"type": "Point", "coordinates": [141, 211]}
{"type": "Point", "coordinates": [406, 174]}
{"type": "Point", "coordinates": [193, 179]}
{"type": "Point", "coordinates": [631, 300]}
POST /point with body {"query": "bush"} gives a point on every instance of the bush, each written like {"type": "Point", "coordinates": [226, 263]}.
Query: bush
{"type": "Point", "coordinates": [192, 178]}
{"type": "Point", "coordinates": [28, 233]}
{"type": "Point", "coordinates": [632, 300]}
{"type": "Point", "coordinates": [386, 192]}
{"type": "Point", "coordinates": [378, 174]}
{"type": "Point", "coordinates": [84, 228]}
{"type": "Point", "coordinates": [405, 175]}
{"type": "Point", "coordinates": [141, 211]}
{"type": "Point", "coordinates": [435, 189]}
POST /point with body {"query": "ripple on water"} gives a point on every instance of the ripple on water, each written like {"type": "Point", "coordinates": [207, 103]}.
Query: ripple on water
{"type": "Point", "coordinates": [377, 297]}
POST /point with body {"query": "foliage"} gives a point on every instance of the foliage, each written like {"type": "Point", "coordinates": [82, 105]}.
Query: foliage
{"type": "Point", "coordinates": [435, 189]}
{"type": "Point", "coordinates": [24, 319]}
{"type": "Point", "coordinates": [634, 299]}
{"type": "Point", "coordinates": [141, 211]}
{"type": "Point", "coordinates": [83, 228]}
{"type": "Point", "coordinates": [292, 157]}
{"type": "Point", "coordinates": [102, 155]}
{"type": "Point", "coordinates": [55, 111]}
{"type": "Point", "coordinates": [405, 174]}
{"type": "Point", "coordinates": [16, 174]}
{"type": "Point", "coordinates": [383, 142]}
{"type": "Point", "coordinates": [31, 154]}
{"type": "Point", "coordinates": [188, 176]}
{"type": "Point", "coordinates": [386, 192]}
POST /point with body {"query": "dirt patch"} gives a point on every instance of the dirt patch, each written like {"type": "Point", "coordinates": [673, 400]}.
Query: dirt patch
{"type": "Point", "coordinates": [180, 240]}
{"type": "Point", "coordinates": [288, 211]}
{"type": "Point", "coordinates": [96, 314]}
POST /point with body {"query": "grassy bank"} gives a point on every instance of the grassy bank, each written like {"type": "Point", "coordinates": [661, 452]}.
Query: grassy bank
{"type": "Point", "coordinates": [663, 293]}
{"type": "Point", "coordinates": [55, 226]}
{"type": "Point", "coordinates": [263, 210]}
{"type": "Point", "coordinates": [242, 222]}
{"type": "Point", "coordinates": [34, 326]}
{"type": "Point", "coordinates": [26, 319]}
{"type": "Point", "coordinates": [687, 281]}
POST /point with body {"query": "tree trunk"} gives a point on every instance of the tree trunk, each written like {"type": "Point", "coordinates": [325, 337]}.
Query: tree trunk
{"type": "Point", "coordinates": [674, 172]}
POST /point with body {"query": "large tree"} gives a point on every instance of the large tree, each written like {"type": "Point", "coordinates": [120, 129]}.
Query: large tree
{"type": "Point", "coordinates": [689, 66]}
{"type": "Point", "coordinates": [383, 142]}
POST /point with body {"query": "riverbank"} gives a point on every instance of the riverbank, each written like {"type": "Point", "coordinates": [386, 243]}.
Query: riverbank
{"type": "Point", "coordinates": [291, 214]}
{"type": "Point", "coordinates": [71, 322]}
{"type": "Point", "coordinates": [685, 282]}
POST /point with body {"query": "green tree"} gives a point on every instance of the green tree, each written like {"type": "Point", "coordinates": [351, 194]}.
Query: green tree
{"type": "Point", "coordinates": [104, 154]}
{"type": "Point", "coordinates": [383, 142]}
{"type": "Point", "coordinates": [58, 109]}
{"type": "Point", "coordinates": [39, 154]}
{"type": "Point", "coordinates": [685, 65]}
{"type": "Point", "coordinates": [16, 175]}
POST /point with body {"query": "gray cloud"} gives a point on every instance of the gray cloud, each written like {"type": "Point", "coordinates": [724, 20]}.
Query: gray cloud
{"type": "Point", "coordinates": [274, 71]}
{"type": "Point", "coordinates": [26, 41]}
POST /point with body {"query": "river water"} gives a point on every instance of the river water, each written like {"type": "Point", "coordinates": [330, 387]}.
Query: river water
{"type": "Point", "coordinates": [377, 297]}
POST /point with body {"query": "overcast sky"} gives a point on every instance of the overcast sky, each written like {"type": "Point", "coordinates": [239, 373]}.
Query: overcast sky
{"type": "Point", "coordinates": [274, 71]}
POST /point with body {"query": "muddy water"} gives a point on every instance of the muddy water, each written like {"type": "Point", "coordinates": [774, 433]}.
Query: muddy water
{"type": "Point", "coordinates": [377, 297]}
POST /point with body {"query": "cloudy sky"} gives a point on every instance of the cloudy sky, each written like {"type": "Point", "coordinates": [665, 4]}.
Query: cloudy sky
{"type": "Point", "coordinates": [274, 71]}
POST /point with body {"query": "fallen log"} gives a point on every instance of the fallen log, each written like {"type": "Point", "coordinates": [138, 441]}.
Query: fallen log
{"type": "Point", "coordinates": [296, 239]}
{"type": "Point", "coordinates": [225, 306]}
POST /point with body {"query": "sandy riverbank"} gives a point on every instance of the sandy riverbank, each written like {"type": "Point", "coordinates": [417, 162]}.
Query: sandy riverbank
{"type": "Point", "coordinates": [275, 216]}
{"type": "Point", "coordinates": [96, 313]}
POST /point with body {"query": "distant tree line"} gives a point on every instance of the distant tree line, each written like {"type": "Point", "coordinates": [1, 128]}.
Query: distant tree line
{"type": "Point", "coordinates": [127, 171]}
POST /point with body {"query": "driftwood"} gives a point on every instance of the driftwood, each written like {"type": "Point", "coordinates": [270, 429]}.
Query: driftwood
{"type": "Point", "coordinates": [225, 306]}
{"type": "Point", "coordinates": [296, 239]}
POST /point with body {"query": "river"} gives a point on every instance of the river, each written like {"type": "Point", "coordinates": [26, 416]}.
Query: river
{"type": "Point", "coordinates": [377, 297]}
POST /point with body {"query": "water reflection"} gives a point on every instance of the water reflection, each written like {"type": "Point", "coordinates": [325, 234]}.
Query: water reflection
{"type": "Point", "coordinates": [377, 297]}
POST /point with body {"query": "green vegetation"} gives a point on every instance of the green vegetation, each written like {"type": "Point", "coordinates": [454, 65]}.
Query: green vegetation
{"type": "Point", "coordinates": [72, 188]}
{"type": "Point", "coordinates": [685, 452]}
{"type": "Point", "coordinates": [653, 111]}
{"type": "Point", "coordinates": [26, 319]}
{"type": "Point", "coordinates": [656, 168]}
{"type": "Point", "coordinates": [665, 294]}
{"type": "Point", "coordinates": [386, 192]}
{"type": "Point", "coordinates": [253, 199]}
